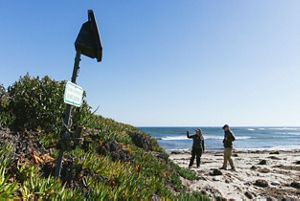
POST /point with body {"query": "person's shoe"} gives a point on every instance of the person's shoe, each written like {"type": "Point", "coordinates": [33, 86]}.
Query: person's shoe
{"type": "Point", "coordinates": [198, 166]}
{"type": "Point", "coordinates": [223, 168]}
{"type": "Point", "coordinates": [233, 169]}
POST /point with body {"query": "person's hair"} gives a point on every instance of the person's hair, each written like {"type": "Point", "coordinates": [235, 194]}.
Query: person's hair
{"type": "Point", "coordinates": [225, 126]}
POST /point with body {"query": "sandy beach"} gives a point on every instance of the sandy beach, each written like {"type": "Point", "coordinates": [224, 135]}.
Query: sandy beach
{"type": "Point", "coordinates": [260, 175]}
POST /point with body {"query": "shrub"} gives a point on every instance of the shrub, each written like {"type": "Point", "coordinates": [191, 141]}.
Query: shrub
{"type": "Point", "coordinates": [38, 104]}
{"type": "Point", "coordinates": [6, 117]}
{"type": "Point", "coordinates": [185, 173]}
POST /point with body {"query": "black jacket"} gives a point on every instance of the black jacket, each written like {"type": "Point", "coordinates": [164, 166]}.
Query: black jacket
{"type": "Point", "coordinates": [198, 141]}
{"type": "Point", "coordinates": [228, 139]}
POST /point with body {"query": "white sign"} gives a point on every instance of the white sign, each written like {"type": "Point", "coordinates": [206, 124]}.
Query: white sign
{"type": "Point", "coordinates": [73, 94]}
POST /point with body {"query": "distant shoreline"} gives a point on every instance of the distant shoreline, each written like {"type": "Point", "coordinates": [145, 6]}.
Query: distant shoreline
{"type": "Point", "coordinates": [258, 151]}
{"type": "Point", "coordinates": [217, 127]}
{"type": "Point", "coordinates": [248, 139]}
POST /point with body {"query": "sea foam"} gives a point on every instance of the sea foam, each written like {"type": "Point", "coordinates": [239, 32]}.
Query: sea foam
{"type": "Point", "coordinates": [206, 137]}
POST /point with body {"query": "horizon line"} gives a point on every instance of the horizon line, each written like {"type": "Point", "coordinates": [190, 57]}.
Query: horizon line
{"type": "Point", "coordinates": [168, 126]}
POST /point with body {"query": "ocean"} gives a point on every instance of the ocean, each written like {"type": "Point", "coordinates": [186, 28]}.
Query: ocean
{"type": "Point", "coordinates": [247, 138]}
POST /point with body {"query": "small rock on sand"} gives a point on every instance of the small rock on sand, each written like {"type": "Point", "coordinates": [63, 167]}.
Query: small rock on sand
{"type": "Point", "coordinates": [221, 199]}
{"type": "Point", "coordinates": [275, 183]}
{"type": "Point", "coordinates": [216, 179]}
{"type": "Point", "coordinates": [176, 152]}
{"type": "Point", "coordinates": [287, 199]}
{"type": "Point", "coordinates": [297, 162]}
{"type": "Point", "coordinates": [274, 158]}
{"type": "Point", "coordinates": [262, 162]}
{"type": "Point", "coordinates": [203, 192]}
{"type": "Point", "coordinates": [295, 185]}
{"type": "Point", "coordinates": [248, 195]}
{"type": "Point", "coordinates": [261, 183]}
{"type": "Point", "coordinates": [215, 172]}
{"type": "Point", "coordinates": [253, 167]}
{"type": "Point", "coordinates": [274, 152]}
{"type": "Point", "coordinates": [264, 170]}
{"type": "Point", "coordinates": [247, 183]}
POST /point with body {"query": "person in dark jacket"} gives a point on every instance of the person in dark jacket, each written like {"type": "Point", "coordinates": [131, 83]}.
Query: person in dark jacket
{"type": "Point", "coordinates": [228, 139]}
{"type": "Point", "coordinates": [198, 147]}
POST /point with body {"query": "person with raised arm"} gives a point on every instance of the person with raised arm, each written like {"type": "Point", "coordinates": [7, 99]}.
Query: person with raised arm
{"type": "Point", "coordinates": [198, 147]}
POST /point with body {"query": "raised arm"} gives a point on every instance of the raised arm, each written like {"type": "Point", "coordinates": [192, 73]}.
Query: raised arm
{"type": "Point", "coordinates": [188, 135]}
{"type": "Point", "coordinates": [203, 146]}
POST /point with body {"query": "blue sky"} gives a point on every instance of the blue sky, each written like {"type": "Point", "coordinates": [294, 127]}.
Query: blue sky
{"type": "Point", "coordinates": [166, 63]}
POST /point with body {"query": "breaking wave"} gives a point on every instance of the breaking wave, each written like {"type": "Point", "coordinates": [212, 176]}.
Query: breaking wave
{"type": "Point", "coordinates": [206, 137]}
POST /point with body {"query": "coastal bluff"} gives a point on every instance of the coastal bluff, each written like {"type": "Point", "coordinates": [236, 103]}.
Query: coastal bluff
{"type": "Point", "coordinates": [110, 160]}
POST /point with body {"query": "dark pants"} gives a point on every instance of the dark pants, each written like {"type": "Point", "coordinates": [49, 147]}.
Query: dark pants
{"type": "Point", "coordinates": [196, 152]}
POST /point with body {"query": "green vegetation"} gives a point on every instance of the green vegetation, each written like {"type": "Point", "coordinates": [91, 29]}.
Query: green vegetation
{"type": "Point", "coordinates": [114, 161]}
{"type": "Point", "coordinates": [6, 117]}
